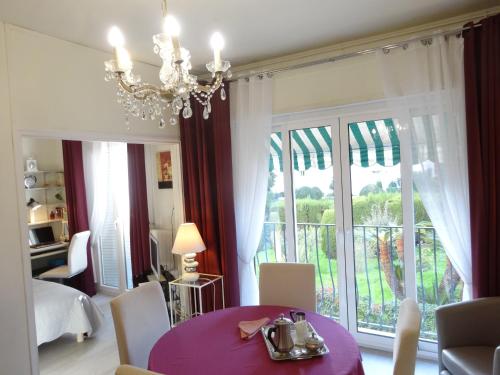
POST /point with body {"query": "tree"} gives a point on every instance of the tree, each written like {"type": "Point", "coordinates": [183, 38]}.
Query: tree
{"type": "Point", "coordinates": [316, 193]}
{"type": "Point", "coordinates": [394, 186]}
{"type": "Point", "coordinates": [372, 189]}
{"type": "Point", "coordinates": [308, 192]}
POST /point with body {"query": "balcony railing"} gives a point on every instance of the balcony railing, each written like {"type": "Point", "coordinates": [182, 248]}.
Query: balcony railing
{"type": "Point", "coordinates": [379, 265]}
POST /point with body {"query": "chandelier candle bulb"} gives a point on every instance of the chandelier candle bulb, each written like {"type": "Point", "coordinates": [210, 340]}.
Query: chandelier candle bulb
{"type": "Point", "coordinates": [123, 60]}
{"type": "Point", "coordinates": [172, 28]}
{"type": "Point", "coordinates": [217, 43]}
{"type": "Point", "coordinates": [117, 41]}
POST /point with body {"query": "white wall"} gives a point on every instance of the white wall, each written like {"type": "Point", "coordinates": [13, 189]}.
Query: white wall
{"type": "Point", "coordinates": [14, 345]}
{"type": "Point", "coordinates": [348, 81]}
{"type": "Point", "coordinates": [49, 87]}
{"type": "Point", "coordinates": [47, 153]}
{"type": "Point", "coordinates": [163, 206]}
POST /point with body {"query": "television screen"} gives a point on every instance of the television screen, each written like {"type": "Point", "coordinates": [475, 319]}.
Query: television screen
{"type": "Point", "coordinates": [155, 259]}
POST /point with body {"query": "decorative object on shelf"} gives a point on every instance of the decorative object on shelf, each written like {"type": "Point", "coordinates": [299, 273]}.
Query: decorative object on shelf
{"type": "Point", "coordinates": [29, 181]}
{"type": "Point", "coordinates": [33, 204]}
{"type": "Point", "coordinates": [31, 165]}
{"type": "Point", "coordinates": [187, 243]}
{"type": "Point", "coordinates": [59, 196]}
{"type": "Point", "coordinates": [148, 101]}
{"type": "Point", "coordinates": [164, 169]}
{"type": "Point", "coordinates": [60, 212]}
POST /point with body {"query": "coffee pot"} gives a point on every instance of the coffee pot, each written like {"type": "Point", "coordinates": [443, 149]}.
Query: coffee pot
{"type": "Point", "coordinates": [282, 340]}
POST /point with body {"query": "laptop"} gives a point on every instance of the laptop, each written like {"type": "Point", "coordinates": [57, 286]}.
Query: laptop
{"type": "Point", "coordinates": [41, 236]}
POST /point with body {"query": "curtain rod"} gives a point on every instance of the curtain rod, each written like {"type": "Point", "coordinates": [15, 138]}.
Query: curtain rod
{"type": "Point", "coordinates": [426, 40]}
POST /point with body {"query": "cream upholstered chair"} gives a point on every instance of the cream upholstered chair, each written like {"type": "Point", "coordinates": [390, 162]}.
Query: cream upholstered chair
{"type": "Point", "coordinates": [406, 341]}
{"type": "Point", "coordinates": [77, 259]}
{"type": "Point", "coordinates": [131, 370]}
{"type": "Point", "coordinates": [469, 337]}
{"type": "Point", "coordinates": [288, 284]}
{"type": "Point", "coordinates": [141, 318]}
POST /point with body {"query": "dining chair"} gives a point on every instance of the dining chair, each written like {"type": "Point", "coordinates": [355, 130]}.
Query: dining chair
{"type": "Point", "coordinates": [406, 341]}
{"type": "Point", "coordinates": [132, 370]}
{"type": "Point", "coordinates": [140, 317]}
{"type": "Point", "coordinates": [77, 259]}
{"type": "Point", "coordinates": [288, 284]}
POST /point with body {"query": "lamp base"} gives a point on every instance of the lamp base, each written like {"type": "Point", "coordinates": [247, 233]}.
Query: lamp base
{"type": "Point", "coordinates": [189, 271]}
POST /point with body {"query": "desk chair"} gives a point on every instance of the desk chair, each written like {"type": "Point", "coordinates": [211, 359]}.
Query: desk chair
{"type": "Point", "coordinates": [140, 317]}
{"type": "Point", "coordinates": [77, 259]}
{"type": "Point", "coordinates": [288, 284]}
{"type": "Point", "coordinates": [406, 341]}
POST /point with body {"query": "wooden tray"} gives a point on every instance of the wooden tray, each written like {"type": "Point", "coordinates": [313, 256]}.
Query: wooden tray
{"type": "Point", "coordinates": [297, 353]}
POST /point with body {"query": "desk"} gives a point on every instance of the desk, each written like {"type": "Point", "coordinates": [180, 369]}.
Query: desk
{"type": "Point", "coordinates": [47, 251]}
{"type": "Point", "coordinates": [211, 344]}
{"type": "Point", "coordinates": [41, 257]}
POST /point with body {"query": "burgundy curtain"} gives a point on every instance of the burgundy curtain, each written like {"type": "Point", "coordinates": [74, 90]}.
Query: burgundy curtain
{"type": "Point", "coordinates": [76, 201]}
{"type": "Point", "coordinates": [482, 91]}
{"type": "Point", "coordinates": [208, 191]}
{"type": "Point", "coordinates": [139, 217]}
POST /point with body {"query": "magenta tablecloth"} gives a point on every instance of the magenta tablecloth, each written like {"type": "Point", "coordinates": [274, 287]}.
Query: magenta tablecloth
{"type": "Point", "coordinates": [211, 344]}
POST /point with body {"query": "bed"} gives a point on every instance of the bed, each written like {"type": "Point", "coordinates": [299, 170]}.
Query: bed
{"type": "Point", "coordinates": [60, 309]}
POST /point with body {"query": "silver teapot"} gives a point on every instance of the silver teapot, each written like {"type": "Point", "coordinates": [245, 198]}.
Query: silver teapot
{"type": "Point", "coordinates": [282, 340]}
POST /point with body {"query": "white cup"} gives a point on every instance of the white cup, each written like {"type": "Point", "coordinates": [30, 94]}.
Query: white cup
{"type": "Point", "coordinates": [301, 330]}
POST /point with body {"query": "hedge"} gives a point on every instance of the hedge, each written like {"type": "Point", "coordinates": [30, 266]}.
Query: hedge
{"type": "Point", "coordinates": [312, 210]}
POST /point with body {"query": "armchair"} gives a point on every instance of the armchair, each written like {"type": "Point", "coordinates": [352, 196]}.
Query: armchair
{"type": "Point", "coordinates": [469, 337]}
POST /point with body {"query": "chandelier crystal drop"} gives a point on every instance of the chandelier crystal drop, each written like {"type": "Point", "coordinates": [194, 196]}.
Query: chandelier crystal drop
{"type": "Point", "coordinates": [178, 85]}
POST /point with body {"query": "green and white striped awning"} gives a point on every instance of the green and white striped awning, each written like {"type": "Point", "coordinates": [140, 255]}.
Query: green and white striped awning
{"type": "Point", "coordinates": [370, 143]}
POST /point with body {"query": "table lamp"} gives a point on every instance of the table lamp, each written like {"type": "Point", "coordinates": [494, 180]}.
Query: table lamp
{"type": "Point", "coordinates": [33, 204]}
{"type": "Point", "coordinates": [187, 243]}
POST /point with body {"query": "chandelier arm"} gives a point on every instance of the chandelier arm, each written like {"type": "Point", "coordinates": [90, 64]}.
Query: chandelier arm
{"type": "Point", "coordinates": [216, 83]}
{"type": "Point", "coordinates": [142, 92]}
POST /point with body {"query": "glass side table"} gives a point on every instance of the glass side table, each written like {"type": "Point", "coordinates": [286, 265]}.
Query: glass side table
{"type": "Point", "coordinates": [187, 297]}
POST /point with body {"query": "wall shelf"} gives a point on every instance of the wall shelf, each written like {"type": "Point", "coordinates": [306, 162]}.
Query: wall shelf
{"type": "Point", "coordinates": [47, 222]}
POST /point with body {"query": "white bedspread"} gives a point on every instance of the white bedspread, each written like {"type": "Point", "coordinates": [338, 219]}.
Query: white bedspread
{"type": "Point", "coordinates": [60, 309]}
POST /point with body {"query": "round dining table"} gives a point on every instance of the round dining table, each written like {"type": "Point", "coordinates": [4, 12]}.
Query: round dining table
{"type": "Point", "coordinates": [211, 344]}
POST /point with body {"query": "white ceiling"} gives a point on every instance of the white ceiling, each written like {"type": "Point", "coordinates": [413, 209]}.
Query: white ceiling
{"type": "Point", "coordinates": [254, 30]}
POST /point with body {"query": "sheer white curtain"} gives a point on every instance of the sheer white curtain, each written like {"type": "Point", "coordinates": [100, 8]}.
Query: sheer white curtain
{"type": "Point", "coordinates": [106, 184]}
{"type": "Point", "coordinates": [425, 86]}
{"type": "Point", "coordinates": [251, 119]}
{"type": "Point", "coordinates": [95, 165]}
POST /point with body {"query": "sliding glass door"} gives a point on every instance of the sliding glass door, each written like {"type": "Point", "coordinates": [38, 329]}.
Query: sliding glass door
{"type": "Point", "coordinates": [341, 196]}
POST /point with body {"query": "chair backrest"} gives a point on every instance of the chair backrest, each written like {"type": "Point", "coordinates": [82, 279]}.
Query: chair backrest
{"type": "Point", "coordinates": [288, 284]}
{"type": "Point", "coordinates": [141, 318]}
{"type": "Point", "coordinates": [77, 252]}
{"type": "Point", "coordinates": [132, 370]}
{"type": "Point", "coordinates": [406, 341]}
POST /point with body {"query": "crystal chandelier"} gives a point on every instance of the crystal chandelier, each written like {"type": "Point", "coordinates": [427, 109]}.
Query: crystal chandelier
{"type": "Point", "coordinates": [147, 101]}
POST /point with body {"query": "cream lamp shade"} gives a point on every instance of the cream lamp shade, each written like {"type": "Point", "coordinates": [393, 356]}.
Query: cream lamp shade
{"type": "Point", "coordinates": [188, 240]}
{"type": "Point", "coordinates": [187, 243]}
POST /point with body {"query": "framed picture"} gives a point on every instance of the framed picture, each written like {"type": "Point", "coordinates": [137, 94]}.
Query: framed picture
{"type": "Point", "coordinates": [164, 169]}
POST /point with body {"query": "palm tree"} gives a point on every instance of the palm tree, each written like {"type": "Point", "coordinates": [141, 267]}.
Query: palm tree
{"type": "Point", "coordinates": [390, 264]}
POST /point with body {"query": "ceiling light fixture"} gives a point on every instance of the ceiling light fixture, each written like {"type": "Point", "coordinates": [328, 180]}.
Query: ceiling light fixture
{"type": "Point", "coordinates": [148, 101]}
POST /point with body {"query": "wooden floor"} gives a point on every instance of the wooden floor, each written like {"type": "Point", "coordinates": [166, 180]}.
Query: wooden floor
{"type": "Point", "coordinates": [98, 355]}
